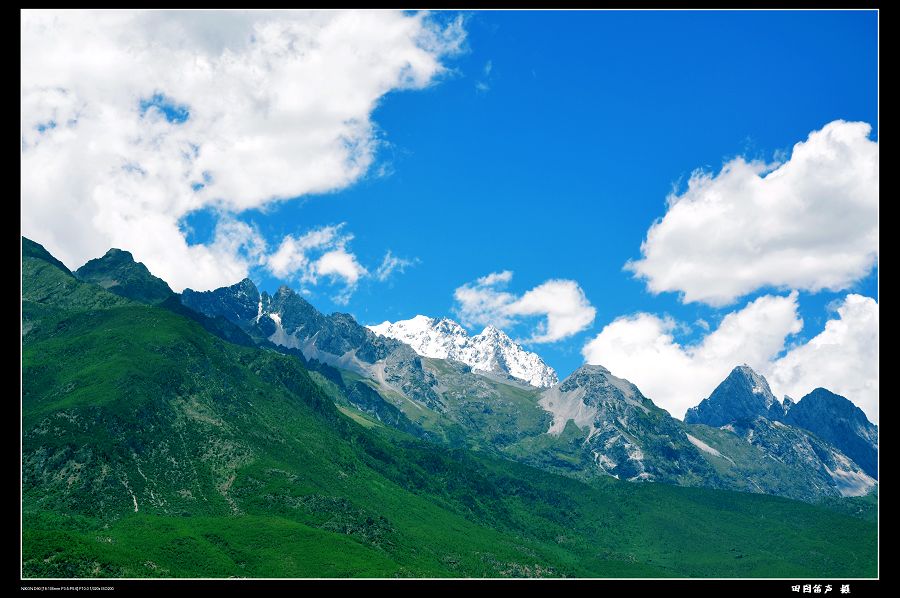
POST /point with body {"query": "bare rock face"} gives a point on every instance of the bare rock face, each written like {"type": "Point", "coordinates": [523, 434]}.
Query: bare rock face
{"type": "Point", "coordinates": [822, 445]}
{"type": "Point", "coordinates": [627, 435]}
{"type": "Point", "coordinates": [835, 419]}
{"type": "Point", "coordinates": [289, 320]}
{"type": "Point", "coordinates": [744, 394]}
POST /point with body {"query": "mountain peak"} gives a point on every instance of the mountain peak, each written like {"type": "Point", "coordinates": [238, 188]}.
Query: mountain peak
{"type": "Point", "coordinates": [744, 394]}
{"type": "Point", "coordinates": [35, 250]}
{"type": "Point", "coordinates": [239, 303]}
{"type": "Point", "coordinates": [495, 335]}
{"type": "Point", "coordinates": [837, 420]}
{"type": "Point", "coordinates": [623, 428]}
{"type": "Point", "coordinates": [492, 350]}
{"type": "Point", "coordinates": [759, 385]}
{"type": "Point", "coordinates": [247, 287]}
{"type": "Point", "coordinates": [823, 394]}
{"type": "Point", "coordinates": [119, 273]}
{"type": "Point", "coordinates": [594, 375]}
{"type": "Point", "coordinates": [591, 368]}
{"type": "Point", "coordinates": [114, 252]}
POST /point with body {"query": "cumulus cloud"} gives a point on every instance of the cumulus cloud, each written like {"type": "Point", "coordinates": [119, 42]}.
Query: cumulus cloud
{"type": "Point", "coordinates": [843, 358]}
{"type": "Point", "coordinates": [494, 278]}
{"type": "Point", "coordinates": [133, 119]}
{"type": "Point", "coordinates": [318, 253]}
{"type": "Point", "coordinates": [808, 223]}
{"type": "Point", "coordinates": [390, 264]}
{"type": "Point", "coordinates": [292, 254]}
{"type": "Point", "coordinates": [339, 264]}
{"type": "Point", "coordinates": [642, 348]}
{"type": "Point", "coordinates": [342, 264]}
{"type": "Point", "coordinates": [484, 302]}
{"type": "Point", "coordinates": [562, 303]}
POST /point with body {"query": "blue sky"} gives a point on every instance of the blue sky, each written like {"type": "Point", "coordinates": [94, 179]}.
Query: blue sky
{"type": "Point", "coordinates": [546, 145]}
{"type": "Point", "coordinates": [560, 167]}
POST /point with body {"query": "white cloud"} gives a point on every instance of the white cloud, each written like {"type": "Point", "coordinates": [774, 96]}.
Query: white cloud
{"type": "Point", "coordinates": [339, 264]}
{"type": "Point", "coordinates": [810, 223]}
{"type": "Point", "coordinates": [483, 302]}
{"type": "Point", "coordinates": [561, 302]}
{"type": "Point", "coordinates": [484, 85]}
{"type": "Point", "coordinates": [278, 105]}
{"type": "Point", "coordinates": [843, 358]}
{"type": "Point", "coordinates": [318, 253]}
{"type": "Point", "coordinates": [291, 256]}
{"type": "Point", "coordinates": [495, 278]}
{"type": "Point", "coordinates": [390, 264]}
{"type": "Point", "coordinates": [642, 349]}
{"type": "Point", "coordinates": [342, 264]}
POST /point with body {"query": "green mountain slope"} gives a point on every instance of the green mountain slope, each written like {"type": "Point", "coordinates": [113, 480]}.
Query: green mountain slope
{"type": "Point", "coordinates": [154, 448]}
{"type": "Point", "coordinates": [591, 424]}
{"type": "Point", "coordinates": [762, 456]}
{"type": "Point", "coordinates": [47, 284]}
{"type": "Point", "coordinates": [117, 272]}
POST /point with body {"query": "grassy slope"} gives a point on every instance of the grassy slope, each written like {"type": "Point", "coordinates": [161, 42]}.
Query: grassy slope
{"type": "Point", "coordinates": [240, 465]}
{"type": "Point", "coordinates": [121, 275]}
{"type": "Point", "coordinates": [481, 413]}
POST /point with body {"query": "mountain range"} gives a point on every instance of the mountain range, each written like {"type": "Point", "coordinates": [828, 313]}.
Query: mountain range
{"type": "Point", "coordinates": [490, 351]}
{"type": "Point", "coordinates": [744, 397]}
{"type": "Point", "coordinates": [207, 419]}
{"type": "Point", "coordinates": [590, 424]}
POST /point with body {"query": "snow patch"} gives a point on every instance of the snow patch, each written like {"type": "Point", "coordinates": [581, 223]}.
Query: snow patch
{"type": "Point", "coordinates": [706, 448]}
{"type": "Point", "coordinates": [851, 483]}
{"type": "Point", "coordinates": [703, 446]}
{"type": "Point", "coordinates": [280, 336]}
{"type": "Point", "coordinates": [490, 351]}
{"type": "Point", "coordinates": [849, 480]}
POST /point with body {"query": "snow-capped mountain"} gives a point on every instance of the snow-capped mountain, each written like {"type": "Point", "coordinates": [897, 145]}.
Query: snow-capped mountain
{"type": "Point", "coordinates": [491, 351]}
